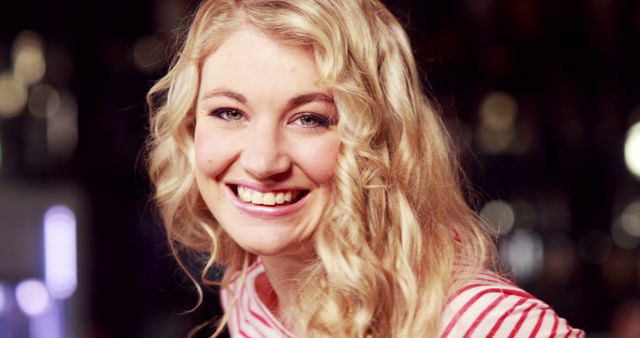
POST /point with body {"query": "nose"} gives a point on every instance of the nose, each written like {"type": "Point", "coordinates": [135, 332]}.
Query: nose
{"type": "Point", "coordinates": [265, 153]}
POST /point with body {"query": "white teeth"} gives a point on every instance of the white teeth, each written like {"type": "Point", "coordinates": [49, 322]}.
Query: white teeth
{"type": "Point", "coordinates": [256, 198]}
{"type": "Point", "coordinates": [269, 198]}
{"type": "Point", "coordinates": [244, 194]}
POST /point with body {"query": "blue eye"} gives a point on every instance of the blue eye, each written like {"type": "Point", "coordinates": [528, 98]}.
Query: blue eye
{"type": "Point", "coordinates": [228, 114]}
{"type": "Point", "coordinates": [312, 120]}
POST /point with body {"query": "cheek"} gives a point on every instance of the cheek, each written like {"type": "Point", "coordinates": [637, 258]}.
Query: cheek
{"type": "Point", "coordinates": [318, 160]}
{"type": "Point", "coordinates": [212, 152]}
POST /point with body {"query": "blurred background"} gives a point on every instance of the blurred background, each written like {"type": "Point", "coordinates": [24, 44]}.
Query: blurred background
{"type": "Point", "coordinates": [542, 97]}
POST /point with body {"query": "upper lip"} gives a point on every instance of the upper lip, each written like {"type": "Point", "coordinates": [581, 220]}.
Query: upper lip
{"type": "Point", "coordinates": [264, 187]}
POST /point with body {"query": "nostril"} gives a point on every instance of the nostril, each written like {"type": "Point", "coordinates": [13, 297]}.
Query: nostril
{"type": "Point", "coordinates": [263, 161]}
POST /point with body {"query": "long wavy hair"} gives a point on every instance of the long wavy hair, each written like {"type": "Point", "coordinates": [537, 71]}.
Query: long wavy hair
{"type": "Point", "coordinates": [399, 236]}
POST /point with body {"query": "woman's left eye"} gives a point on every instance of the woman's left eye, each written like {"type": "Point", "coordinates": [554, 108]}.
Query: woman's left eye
{"type": "Point", "coordinates": [228, 114]}
{"type": "Point", "coordinates": [311, 120]}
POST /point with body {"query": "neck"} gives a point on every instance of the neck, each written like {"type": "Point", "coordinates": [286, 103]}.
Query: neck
{"type": "Point", "coordinates": [279, 287]}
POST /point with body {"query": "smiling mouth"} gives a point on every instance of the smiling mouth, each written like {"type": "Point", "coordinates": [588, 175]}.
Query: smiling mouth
{"type": "Point", "coordinates": [270, 198]}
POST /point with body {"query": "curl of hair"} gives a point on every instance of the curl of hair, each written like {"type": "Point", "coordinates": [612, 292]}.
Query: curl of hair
{"type": "Point", "coordinates": [400, 235]}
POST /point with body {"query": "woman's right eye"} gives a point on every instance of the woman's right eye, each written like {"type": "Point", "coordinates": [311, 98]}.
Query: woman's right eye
{"type": "Point", "coordinates": [228, 114]}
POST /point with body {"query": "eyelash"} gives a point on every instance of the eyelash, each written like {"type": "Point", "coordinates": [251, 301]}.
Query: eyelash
{"type": "Point", "coordinates": [223, 114]}
{"type": "Point", "coordinates": [319, 121]}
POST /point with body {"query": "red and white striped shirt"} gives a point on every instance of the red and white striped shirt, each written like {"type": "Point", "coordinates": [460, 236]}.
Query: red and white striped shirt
{"type": "Point", "coordinates": [488, 306]}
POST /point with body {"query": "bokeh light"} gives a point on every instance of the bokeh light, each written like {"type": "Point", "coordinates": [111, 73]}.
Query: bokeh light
{"type": "Point", "coordinates": [632, 150]}
{"type": "Point", "coordinates": [168, 15]}
{"type": "Point", "coordinates": [631, 224]}
{"type": "Point", "coordinates": [62, 126]}
{"type": "Point", "coordinates": [495, 142]}
{"type": "Point", "coordinates": [4, 299]}
{"type": "Point", "coordinates": [50, 324]}
{"type": "Point", "coordinates": [43, 100]}
{"type": "Point", "coordinates": [625, 230]}
{"type": "Point", "coordinates": [60, 251]}
{"type": "Point", "coordinates": [523, 253]}
{"type": "Point", "coordinates": [499, 216]}
{"type": "Point", "coordinates": [638, 269]}
{"type": "Point", "coordinates": [498, 112]}
{"type": "Point", "coordinates": [28, 58]}
{"type": "Point", "coordinates": [149, 53]}
{"type": "Point", "coordinates": [13, 96]}
{"type": "Point", "coordinates": [620, 236]}
{"type": "Point", "coordinates": [633, 209]}
{"type": "Point", "coordinates": [1, 154]}
{"type": "Point", "coordinates": [32, 297]}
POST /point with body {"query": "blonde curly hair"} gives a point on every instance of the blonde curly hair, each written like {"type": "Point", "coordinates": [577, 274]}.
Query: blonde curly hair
{"type": "Point", "coordinates": [399, 232]}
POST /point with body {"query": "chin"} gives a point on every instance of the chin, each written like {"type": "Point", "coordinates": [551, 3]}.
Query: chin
{"type": "Point", "coordinates": [267, 249]}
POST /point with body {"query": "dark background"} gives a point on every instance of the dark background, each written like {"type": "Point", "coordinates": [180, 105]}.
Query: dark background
{"type": "Point", "coordinates": [571, 67]}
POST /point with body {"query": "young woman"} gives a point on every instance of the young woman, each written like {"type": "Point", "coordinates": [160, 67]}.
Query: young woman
{"type": "Point", "coordinates": [292, 145]}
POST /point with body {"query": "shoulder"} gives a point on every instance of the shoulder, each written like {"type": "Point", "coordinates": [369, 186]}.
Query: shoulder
{"type": "Point", "coordinates": [491, 306]}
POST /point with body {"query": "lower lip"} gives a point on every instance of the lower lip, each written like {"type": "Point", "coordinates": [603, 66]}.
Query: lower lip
{"type": "Point", "coordinates": [262, 211]}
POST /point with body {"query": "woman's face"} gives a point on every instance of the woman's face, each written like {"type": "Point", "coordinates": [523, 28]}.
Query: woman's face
{"type": "Point", "coordinates": [265, 143]}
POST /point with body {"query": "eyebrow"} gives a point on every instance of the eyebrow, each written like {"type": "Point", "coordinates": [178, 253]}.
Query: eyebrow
{"type": "Point", "coordinates": [293, 102]}
{"type": "Point", "coordinates": [308, 98]}
{"type": "Point", "coordinates": [226, 93]}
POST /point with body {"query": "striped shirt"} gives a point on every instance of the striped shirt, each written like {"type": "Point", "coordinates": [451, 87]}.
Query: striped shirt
{"type": "Point", "coordinates": [488, 306]}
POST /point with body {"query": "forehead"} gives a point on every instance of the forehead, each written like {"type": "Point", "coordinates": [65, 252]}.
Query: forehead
{"type": "Point", "coordinates": [247, 55]}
